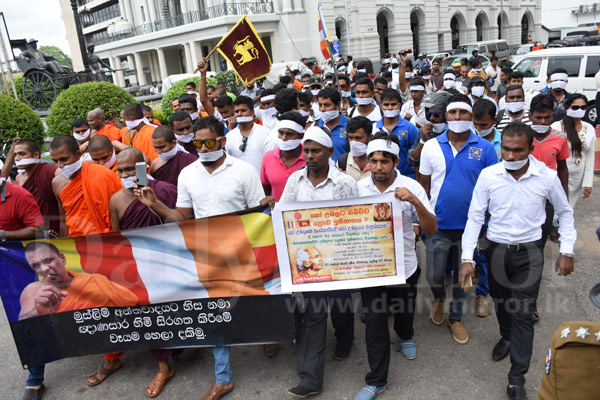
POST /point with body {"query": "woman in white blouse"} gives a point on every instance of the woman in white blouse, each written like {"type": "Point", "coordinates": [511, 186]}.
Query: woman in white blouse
{"type": "Point", "coordinates": [582, 139]}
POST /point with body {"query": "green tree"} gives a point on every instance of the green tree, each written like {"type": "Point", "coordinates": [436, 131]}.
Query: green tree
{"type": "Point", "coordinates": [18, 120]}
{"type": "Point", "coordinates": [57, 53]}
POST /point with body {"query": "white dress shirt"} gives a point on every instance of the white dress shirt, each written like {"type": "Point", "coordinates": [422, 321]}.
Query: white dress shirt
{"type": "Point", "coordinates": [517, 208]}
{"type": "Point", "coordinates": [336, 186]}
{"type": "Point", "coordinates": [255, 146]}
{"type": "Point", "coordinates": [268, 120]}
{"type": "Point", "coordinates": [234, 186]}
{"type": "Point", "coordinates": [366, 187]}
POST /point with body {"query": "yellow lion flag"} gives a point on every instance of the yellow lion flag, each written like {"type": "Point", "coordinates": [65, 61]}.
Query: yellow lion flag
{"type": "Point", "coordinates": [246, 53]}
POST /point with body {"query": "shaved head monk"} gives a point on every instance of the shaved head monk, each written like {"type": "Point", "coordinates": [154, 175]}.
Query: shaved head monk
{"type": "Point", "coordinates": [149, 115]}
{"type": "Point", "coordinates": [96, 121]}
{"type": "Point", "coordinates": [61, 290]}
{"type": "Point", "coordinates": [172, 159]}
{"type": "Point", "coordinates": [82, 133]}
{"type": "Point", "coordinates": [83, 190]}
{"type": "Point", "coordinates": [127, 212]}
{"type": "Point", "coordinates": [35, 177]}
{"type": "Point", "coordinates": [102, 152]}
{"type": "Point", "coordinates": [139, 133]}
{"type": "Point", "coordinates": [181, 122]}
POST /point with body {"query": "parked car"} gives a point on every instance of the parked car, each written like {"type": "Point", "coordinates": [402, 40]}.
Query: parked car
{"type": "Point", "coordinates": [500, 47]}
{"type": "Point", "coordinates": [581, 63]}
{"type": "Point", "coordinates": [447, 63]}
{"type": "Point", "coordinates": [441, 55]}
{"type": "Point", "coordinates": [518, 52]}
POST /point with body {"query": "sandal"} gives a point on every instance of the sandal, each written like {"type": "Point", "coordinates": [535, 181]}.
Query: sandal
{"type": "Point", "coordinates": [99, 376]}
{"type": "Point", "coordinates": [158, 383]}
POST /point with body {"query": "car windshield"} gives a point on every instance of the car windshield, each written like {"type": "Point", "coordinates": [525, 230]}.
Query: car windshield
{"type": "Point", "coordinates": [465, 49]}
{"type": "Point", "coordinates": [523, 50]}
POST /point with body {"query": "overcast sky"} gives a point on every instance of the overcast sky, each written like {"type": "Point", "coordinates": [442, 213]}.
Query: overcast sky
{"type": "Point", "coordinates": [39, 19]}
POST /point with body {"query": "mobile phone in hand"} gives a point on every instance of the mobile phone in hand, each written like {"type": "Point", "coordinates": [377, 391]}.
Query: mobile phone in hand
{"type": "Point", "coordinates": [468, 283]}
{"type": "Point", "coordinates": [140, 174]}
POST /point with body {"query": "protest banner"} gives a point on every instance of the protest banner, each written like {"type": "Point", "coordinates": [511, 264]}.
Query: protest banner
{"type": "Point", "coordinates": [341, 244]}
{"type": "Point", "coordinates": [205, 282]}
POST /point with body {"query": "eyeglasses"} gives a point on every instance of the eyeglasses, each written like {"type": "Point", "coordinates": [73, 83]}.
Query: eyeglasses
{"type": "Point", "coordinates": [209, 143]}
{"type": "Point", "coordinates": [575, 108]}
{"type": "Point", "coordinates": [244, 143]}
{"type": "Point", "coordinates": [127, 170]}
{"type": "Point", "coordinates": [435, 114]}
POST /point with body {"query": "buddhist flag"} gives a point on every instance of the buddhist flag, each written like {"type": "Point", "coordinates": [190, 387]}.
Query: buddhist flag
{"type": "Point", "coordinates": [246, 53]}
{"type": "Point", "coordinates": [324, 37]}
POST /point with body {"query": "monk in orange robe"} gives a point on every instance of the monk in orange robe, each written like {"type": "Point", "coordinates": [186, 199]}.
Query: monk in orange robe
{"type": "Point", "coordinates": [149, 115]}
{"type": "Point", "coordinates": [139, 134]}
{"type": "Point", "coordinates": [61, 290]}
{"type": "Point", "coordinates": [103, 153]}
{"type": "Point", "coordinates": [96, 121]}
{"type": "Point", "coordinates": [83, 190]}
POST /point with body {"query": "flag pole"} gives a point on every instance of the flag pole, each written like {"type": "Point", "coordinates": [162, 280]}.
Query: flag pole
{"type": "Point", "coordinates": [205, 59]}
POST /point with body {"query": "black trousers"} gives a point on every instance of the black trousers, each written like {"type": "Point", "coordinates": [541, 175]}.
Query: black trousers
{"type": "Point", "coordinates": [514, 278]}
{"type": "Point", "coordinates": [376, 301]}
{"type": "Point", "coordinates": [310, 358]}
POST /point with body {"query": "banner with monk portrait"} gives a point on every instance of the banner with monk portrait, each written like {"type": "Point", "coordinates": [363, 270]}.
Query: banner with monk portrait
{"type": "Point", "coordinates": [205, 282]}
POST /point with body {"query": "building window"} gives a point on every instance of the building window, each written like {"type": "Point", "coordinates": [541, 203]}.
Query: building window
{"type": "Point", "coordinates": [104, 14]}
{"type": "Point", "coordinates": [98, 37]}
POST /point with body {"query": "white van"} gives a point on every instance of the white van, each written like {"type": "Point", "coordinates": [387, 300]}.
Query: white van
{"type": "Point", "coordinates": [499, 47]}
{"type": "Point", "coordinates": [581, 64]}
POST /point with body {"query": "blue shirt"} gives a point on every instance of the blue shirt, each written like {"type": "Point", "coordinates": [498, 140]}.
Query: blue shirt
{"type": "Point", "coordinates": [462, 172]}
{"type": "Point", "coordinates": [497, 143]}
{"type": "Point", "coordinates": [407, 134]}
{"type": "Point", "coordinates": [338, 136]}
{"type": "Point", "coordinates": [251, 94]}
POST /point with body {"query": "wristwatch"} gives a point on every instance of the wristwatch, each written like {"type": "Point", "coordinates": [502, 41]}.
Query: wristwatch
{"type": "Point", "coordinates": [3, 235]}
{"type": "Point", "coordinates": [568, 254]}
{"type": "Point", "coordinates": [468, 261]}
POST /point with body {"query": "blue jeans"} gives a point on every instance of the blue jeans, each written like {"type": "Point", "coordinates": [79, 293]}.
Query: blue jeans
{"type": "Point", "coordinates": [438, 255]}
{"type": "Point", "coordinates": [222, 368]}
{"type": "Point", "coordinates": [483, 287]}
{"type": "Point", "coordinates": [36, 375]}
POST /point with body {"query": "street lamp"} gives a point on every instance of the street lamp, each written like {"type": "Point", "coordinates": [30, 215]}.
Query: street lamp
{"type": "Point", "coordinates": [80, 38]}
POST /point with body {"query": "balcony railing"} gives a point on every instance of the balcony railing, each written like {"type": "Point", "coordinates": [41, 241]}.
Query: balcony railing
{"type": "Point", "coordinates": [190, 17]}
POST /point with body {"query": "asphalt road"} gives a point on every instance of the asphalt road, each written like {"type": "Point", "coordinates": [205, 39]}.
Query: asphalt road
{"type": "Point", "coordinates": [443, 369]}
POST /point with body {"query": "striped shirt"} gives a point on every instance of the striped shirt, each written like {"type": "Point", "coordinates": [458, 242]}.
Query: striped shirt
{"type": "Point", "coordinates": [506, 119]}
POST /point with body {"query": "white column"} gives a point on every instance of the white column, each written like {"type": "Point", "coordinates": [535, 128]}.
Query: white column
{"type": "Point", "coordinates": [189, 66]}
{"type": "Point", "coordinates": [184, 11]}
{"type": "Point", "coordinates": [287, 7]}
{"type": "Point", "coordinates": [154, 66]}
{"type": "Point", "coordinates": [131, 65]}
{"type": "Point", "coordinates": [115, 63]}
{"type": "Point", "coordinates": [152, 10]}
{"type": "Point", "coordinates": [297, 6]}
{"type": "Point", "coordinates": [139, 66]}
{"type": "Point", "coordinates": [162, 63]}
{"type": "Point", "coordinates": [194, 53]}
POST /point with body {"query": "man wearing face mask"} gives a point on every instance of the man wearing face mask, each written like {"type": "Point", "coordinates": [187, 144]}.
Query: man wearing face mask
{"type": "Point", "coordinates": [331, 117]}
{"type": "Point", "coordinates": [477, 90]}
{"type": "Point", "coordinates": [139, 131]}
{"type": "Point", "coordinates": [449, 81]}
{"type": "Point", "coordinates": [355, 163]}
{"type": "Point", "coordinates": [285, 100]}
{"type": "Point", "coordinates": [239, 188]}
{"type": "Point", "coordinates": [278, 164]}
{"type": "Point", "coordinates": [305, 99]}
{"type": "Point", "coordinates": [557, 83]}
{"type": "Point", "coordinates": [450, 165]}
{"type": "Point", "coordinates": [426, 76]}
{"type": "Point", "coordinates": [380, 85]}
{"type": "Point", "coordinates": [315, 88]}
{"type": "Point", "coordinates": [224, 106]}
{"type": "Point", "coordinates": [393, 124]}
{"type": "Point", "coordinates": [412, 109]}
{"type": "Point", "coordinates": [365, 103]}
{"type": "Point", "coordinates": [345, 87]}
{"type": "Point", "coordinates": [515, 108]}
{"type": "Point", "coordinates": [247, 140]}
{"type": "Point", "coordinates": [103, 153]}
{"type": "Point", "coordinates": [267, 113]}
{"type": "Point", "coordinates": [514, 247]}
{"type": "Point", "coordinates": [437, 76]}
{"type": "Point", "coordinates": [82, 133]}
{"type": "Point", "coordinates": [171, 159]}
{"type": "Point", "coordinates": [181, 122]}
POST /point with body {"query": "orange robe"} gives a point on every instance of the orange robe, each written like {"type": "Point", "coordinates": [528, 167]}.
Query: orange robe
{"type": "Point", "coordinates": [142, 141]}
{"type": "Point", "coordinates": [123, 134]}
{"type": "Point", "coordinates": [85, 200]}
{"type": "Point", "coordinates": [110, 131]}
{"type": "Point", "coordinates": [156, 122]}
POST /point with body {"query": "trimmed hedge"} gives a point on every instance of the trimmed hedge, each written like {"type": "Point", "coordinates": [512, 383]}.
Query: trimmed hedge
{"type": "Point", "coordinates": [78, 100]}
{"type": "Point", "coordinates": [177, 90]}
{"type": "Point", "coordinates": [18, 119]}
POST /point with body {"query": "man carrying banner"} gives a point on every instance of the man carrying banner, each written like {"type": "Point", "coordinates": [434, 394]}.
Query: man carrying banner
{"type": "Point", "coordinates": [383, 153]}
{"type": "Point", "coordinates": [320, 180]}
{"type": "Point", "coordinates": [234, 186]}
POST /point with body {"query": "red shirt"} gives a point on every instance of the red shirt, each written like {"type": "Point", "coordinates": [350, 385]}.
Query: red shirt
{"type": "Point", "coordinates": [18, 208]}
{"type": "Point", "coordinates": [273, 171]}
{"type": "Point", "coordinates": [552, 149]}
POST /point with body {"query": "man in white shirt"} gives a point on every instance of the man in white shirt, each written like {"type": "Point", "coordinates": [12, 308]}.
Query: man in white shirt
{"type": "Point", "coordinates": [514, 193]}
{"type": "Point", "coordinates": [154, 90]}
{"type": "Point", "coordinates": [268, 113]}
{"type": "Point", "coordinates": [215, 184]}
{"type": "Point", "coordinates": [365, 103]}
{"type": "Point", "coordinates": [320, 180]}
{"type": "Point", "coordinates": [383, 154]}
{"type": "Point", "coordinates": [247, 140]}
{"type": "Point", "coordinates": [412, 110]}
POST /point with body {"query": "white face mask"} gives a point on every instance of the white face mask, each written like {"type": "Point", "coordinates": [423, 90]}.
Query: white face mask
{"type": "Point", "coordinates": [485, 132]}
{"type": "Point", "coordinates": [459, 126]}
{"type": "Point", "coordinates": [477, 91]}
{"type": "Point", "coordinates": [304, 113]}
{"type": "Point", "coordinates": [185, 138]}
{"type": "Point", "coordinates": [27, 161]}
{"type": "Point", "coordinates": [391, 113]}
{"type": "Point", "coordinates": [128, 182]}
{"type": "Point", "coordinates": [557, 85]}
{"type": "Point", "coordinates": [166, 156]}
{"type": "Point", "coordinates": [315, 91]}
{"type": "Point", "coordinates": [134, 124]}
{"type": "Point", "coordinates": [329, 82]}
{"type": "Point", "coordinates": [514, 165]}
{"type": "Point", "coordinates": [327, 116]}
{"type": "Point", "coordinates": [441, 127]}
{"type": "Point", "coordinates": [288, 145]}
{"type": "Point", "coordinates": [113, 159]}
{"type": "Point", "coordinates": [427, 77]}
{"type": "Point", "coordinates": [211, 156]}
{"type": "Point", "coordinates": [515, 107]}
{"type": "Point", "coordinates": [83, 136]}
{"type": "Point", "coordinates": [357, 149]}
{"type": "Point", "coordinates": [362, 70]}
{"type": "Point", "coordinates": [364, 101]}
{"type": "Point", "coordinates": [540, 128]}
{"type": "Point", "coordinates": [271, 111]}
{"type": "Point", "coordinates": [576, 113]}
{"type": "Point", "coordinates": [476, 70]}
{"type": "Point", "coordinates": [69, 170]}
{"type": "Point", "coordinates": [244, 119]}
{"type": "Point", "coordinates": [298, 77]}
{"type": "Point", "coordinates": [449, 84]}
{"type": "Point", "coordinates": [346, 94]}
{"type": "Point", "coordinates": [289, 86]}
{"type": "Point", "coordinates": [194, 116]}
{"type": "Point", "coordinates": [408, 75]}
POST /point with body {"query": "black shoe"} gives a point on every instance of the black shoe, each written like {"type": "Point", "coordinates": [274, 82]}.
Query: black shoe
{"type": "Point", "coordinates": [302, 392]}
{"type": "Point", "coordinates": [516, 392]}
{"type": "Point", "coordinates": [34, 394]}
{"type": "Point", "coordinates": [501, 350]}
{"type": "Point", "coordinates": [341, 352]}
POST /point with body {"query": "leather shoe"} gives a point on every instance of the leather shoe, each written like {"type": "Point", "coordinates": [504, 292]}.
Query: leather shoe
{"type": "Point", "coordinates": [217, 391]}
{"type": "Point", "coordinates": [501, 350]}
{"type": "Point", "coordinates": [516, 392]}
{"type": "Point", "coordinates": [271, 350]}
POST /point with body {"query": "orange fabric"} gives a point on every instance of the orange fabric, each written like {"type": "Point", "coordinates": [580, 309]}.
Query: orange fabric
{"type": "Point", "coordinates": [123, 136]}
{"type": "Point", "coordinates": [110, 131]}
{"type": "Point", "coordinates": [156, 122]}
{"type": "Point", "coordinates": [225, 261]}
{"type": "Point", "coordinates": [85, 200]}
{"type": "Point", "coordinates": [298, 84]}
{"type": "Point", "coordinates": [142, 140]}
{"type": "Point", "coordinates": [95, 290]}
{"type": "Point", "coordinates": [538, 47]}
{"type": "Point", "coordinates": [203, 114]}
